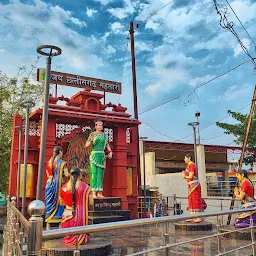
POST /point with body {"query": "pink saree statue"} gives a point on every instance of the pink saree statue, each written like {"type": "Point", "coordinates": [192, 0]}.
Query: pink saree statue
{"type": "Point", "coordinates": [75, 195]}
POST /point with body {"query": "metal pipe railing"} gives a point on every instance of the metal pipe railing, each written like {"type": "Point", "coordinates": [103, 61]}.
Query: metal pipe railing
{"type": "Point", "coordinates": [21, 218]}
{"type": "Point", "coordinates": [14, 246]}
{"type": "Point", "coordinates": [51, 234]}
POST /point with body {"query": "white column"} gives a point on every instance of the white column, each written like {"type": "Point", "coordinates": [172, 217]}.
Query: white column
{"type": "Point", "coordinates": [150, 167]}
{"type": "Point", "coordinates": [201, 169]}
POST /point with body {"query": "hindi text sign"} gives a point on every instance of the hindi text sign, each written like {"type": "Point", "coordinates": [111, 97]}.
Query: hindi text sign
{"type": "Point", "coordinates": [80, 81]}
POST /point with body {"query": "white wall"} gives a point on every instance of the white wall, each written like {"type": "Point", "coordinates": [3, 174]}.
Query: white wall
{"type": "Point", "coordinates": [168, 184]}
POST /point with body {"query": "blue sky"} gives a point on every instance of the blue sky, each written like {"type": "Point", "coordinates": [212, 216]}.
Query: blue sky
{"type": "Point", "coordinates": [177, 49]}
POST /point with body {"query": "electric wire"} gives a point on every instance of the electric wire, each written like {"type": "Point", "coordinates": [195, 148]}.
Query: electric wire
{"type": "Point", "coordinates": [211, 80]}
{"type": "Point", "coordinates": [240, 22]}
{"type": "Point", "coordinates": [182, 139]}
{"type": "Point", "coordinates": [222, 11]}
{"type": "Point", "coordinates": [155, 13]}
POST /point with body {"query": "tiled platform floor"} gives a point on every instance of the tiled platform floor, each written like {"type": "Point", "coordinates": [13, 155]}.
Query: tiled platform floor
{"type": "Point", "coordinates": [127, 241]}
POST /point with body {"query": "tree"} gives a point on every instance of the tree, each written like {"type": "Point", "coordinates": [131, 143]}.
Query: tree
{"type": "Point", "coordinates": [239, 129]}
{"type": "Point", "coordinates": [13, 91]}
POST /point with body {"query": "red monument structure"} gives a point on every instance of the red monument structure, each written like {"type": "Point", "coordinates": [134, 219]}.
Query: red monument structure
{"type": "Point", "coordinates": [69, 127]}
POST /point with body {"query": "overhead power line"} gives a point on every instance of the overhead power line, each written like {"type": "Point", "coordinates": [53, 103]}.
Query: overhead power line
{"type": "Point", "coordinates": [211, 80]}
{"type": "Point", "coordinates": [240, 22]}
{"type": "Point", "coordinates": [222, 11]}
{"type": "Point", "coordinates": [155, 13]}
{"type": "Point", "coordinates": [181, 139]}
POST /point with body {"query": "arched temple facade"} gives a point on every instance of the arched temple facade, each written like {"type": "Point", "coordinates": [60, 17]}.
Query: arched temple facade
{"type": "Point", "coordinates": [69, 127]}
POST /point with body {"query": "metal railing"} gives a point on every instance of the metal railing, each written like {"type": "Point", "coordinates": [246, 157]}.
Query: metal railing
{"type": "Point", "coordinates": [176, 205]}
{"type": "Point", "coordinates": [20, 234]}
{"type": "Point", "coordinates": [15, 230]}
{"type": "Point", "coordinates": [222, 188]}
{"type": "Point", "coordinates": [53, 234]}
{"type": "Point", "coordinates": [18, 227]}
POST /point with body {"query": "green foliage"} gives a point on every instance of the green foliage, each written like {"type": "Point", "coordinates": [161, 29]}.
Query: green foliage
{"type": "Point", "coordinates": [239, 129]}
{"type": "Point", "coordinates": [13, 91]}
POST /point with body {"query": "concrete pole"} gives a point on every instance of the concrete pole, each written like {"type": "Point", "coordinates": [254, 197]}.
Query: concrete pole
{"type": "Point", "coordinates": [135, 102]}
{"type": "Point", "coordinates": [201, 169]}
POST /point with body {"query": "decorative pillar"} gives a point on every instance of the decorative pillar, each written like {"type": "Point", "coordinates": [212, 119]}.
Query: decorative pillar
{"type": "Point", "coordinates": [134, 138]}
{"type": "Point", "coordinates": [201, 169]}
{"type": "Point", "coordinates": [119, 182]}
{"type": "Point", "coordinates": [17, 121]}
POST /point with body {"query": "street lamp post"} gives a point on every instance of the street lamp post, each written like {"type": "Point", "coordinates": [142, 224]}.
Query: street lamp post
{"type": "Point", "coordinates": [197, 114]}
{"type": "Point", "coordinates": [26, 104]}
{"type": "Point", "coordinates": [144, 174]}
{"type": "Point", "coordinates": [20, 128]}
{"type": "Point", "coordinates": [53, 51]}
{"type": "Point", "coordinates": [194, 124]}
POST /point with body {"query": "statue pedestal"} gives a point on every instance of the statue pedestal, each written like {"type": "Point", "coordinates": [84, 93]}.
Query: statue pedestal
{"type": "Point", "coordinates": [239, 235]}
{"type": "Point", "coordinates": [191, 226]}
{"type": "Point", "coordinates": [95, 247]}
{"type": "Point", "coordinates": [107, 209]}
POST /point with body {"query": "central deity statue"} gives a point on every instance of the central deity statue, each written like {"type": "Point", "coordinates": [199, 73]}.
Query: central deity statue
{"type": "Point", "coordinates": [99, 142]}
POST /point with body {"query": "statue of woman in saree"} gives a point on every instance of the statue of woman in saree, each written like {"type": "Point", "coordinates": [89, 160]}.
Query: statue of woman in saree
{"type": "Point", "coordinates": [99, 142]}
{"type": "Point", "coordinates": [74, 195]}
{"type": "Point", "coordinates": [194, 188]}
{"type": "Point", "coordinates": [56, 170]}
{"type": "Point", "coordinates": [246, 195]}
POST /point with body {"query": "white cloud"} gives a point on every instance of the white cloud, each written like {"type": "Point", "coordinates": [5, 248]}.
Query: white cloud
{"type": "Point", "coordinates": [200, 80]}
{"type": "Point", "coordinates": [245, 10]}
{"type": "Point", "coordinates": [237, 92]}
{"type": "Point", "coordinates": [90, 12]}
{"type": "Point", "coordinates": [122, 13]}
{"type": "Point", "coordinates": [104, 38]}
{"type": "Point", "coordinates": [119, 13]}
{"type": "Point", "coordinates": [116, 27]}
{"type": "Point", "coordinates": [141, 46]}
{"type": "Point", "coordinates": [65, 16]}
{"type": "Point", "coordinates": [105, 2]}
{"type": "Point", "coordinates": [30, 25]}
{"type": "Point", "coordinates": [110, 49]}
{"type": "Point", "coordinates": [170, 70]}
{"type": "Point", "coordinates": [239, 49]}
{"type": "Point", "coordinates": [152, 25]}
{"type": "Point", "coordinates": [220, 41]}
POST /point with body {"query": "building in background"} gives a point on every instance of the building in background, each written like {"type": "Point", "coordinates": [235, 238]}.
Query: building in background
{"type": "Point", "coordinates": [216, 166]}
